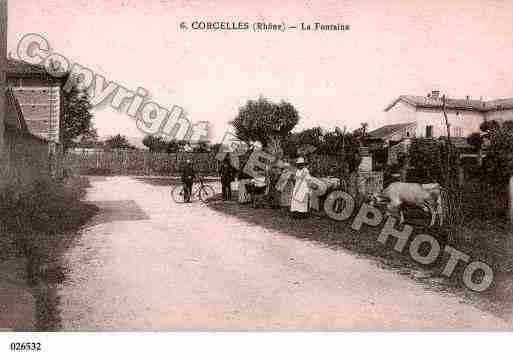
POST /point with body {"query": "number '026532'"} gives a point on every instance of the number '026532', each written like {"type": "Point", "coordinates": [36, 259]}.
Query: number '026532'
{"type": "Point", "coordinates": [27, 346]}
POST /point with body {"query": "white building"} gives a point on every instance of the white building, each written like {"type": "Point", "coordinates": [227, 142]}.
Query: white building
{"type": "Point", "coordinates": [465, 115]}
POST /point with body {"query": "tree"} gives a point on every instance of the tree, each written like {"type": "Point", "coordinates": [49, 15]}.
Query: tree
{"type": "Point", "coordinates": [361, 133]}
{"type": "Point", "coordinates": [155, 143]}
{"type": "Point", "coordinates": [263, 120]}
{"type": "Point", "coordinates": [76, 116]}
{"type": "Point", "coordinates": [425, 156]}
{"type": "Point", "coordinates": [202, 147]}
{"type": "Point", "coordinates": [499, 158]}
{"type": "Point", "coordinates": [118, 142]}
{"type": "Point", "coordinates": [489, 127]}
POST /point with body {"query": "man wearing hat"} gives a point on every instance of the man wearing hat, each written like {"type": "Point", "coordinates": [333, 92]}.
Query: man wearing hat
{"type": "Point", "coordinates": [299, 204]}
{"type": "Point", "coordinates": [187, 179]}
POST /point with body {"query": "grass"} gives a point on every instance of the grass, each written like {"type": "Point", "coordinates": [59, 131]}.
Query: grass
{"type": "Point", "coordinates": [491, 243]}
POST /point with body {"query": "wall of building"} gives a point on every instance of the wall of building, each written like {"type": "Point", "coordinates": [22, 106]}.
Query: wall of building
{"type": "Point", "coordinates": [463, 123]}
{"type": "Point", "coordinates": [401, 113]}
{"type": "Point", "coordinates": [26, 160]}
{"type": "Point", "coordinates": [404, 133]}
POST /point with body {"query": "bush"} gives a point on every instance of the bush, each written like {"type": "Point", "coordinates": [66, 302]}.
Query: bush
{"type": "Point", "coordinates": [45, 206]}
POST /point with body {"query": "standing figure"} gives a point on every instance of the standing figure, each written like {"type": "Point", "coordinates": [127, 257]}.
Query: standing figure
{"type": "Point", "coordinates": [244, 179]}
{"type": "Point", "coordinates": [300, 201]}
{"type": "Point", "coordinates": [273, 176]}
{"type": "Point", "coordinates": [226, 172]}
{"type": "Point", "coordinates": [187, 180]}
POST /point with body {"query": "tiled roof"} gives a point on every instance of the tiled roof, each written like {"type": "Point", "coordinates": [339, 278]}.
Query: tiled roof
{"type": "Point", "coordinates": [454, 104]}
{"type": "Point", "coordinates": [500, 104]}
{"type": "Point", "coordinates": [388, 130]}
{"type": "Point", "coordinates": [21, 67]}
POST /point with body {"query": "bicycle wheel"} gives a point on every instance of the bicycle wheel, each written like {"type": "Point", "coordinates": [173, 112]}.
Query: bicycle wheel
{"type": "Point", "coordinates": [205, 193]}
{"type": "Point", "coordinates": [178, 194]}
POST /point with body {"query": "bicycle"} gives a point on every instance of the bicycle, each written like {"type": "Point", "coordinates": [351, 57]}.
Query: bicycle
{"type": "Point", "coordinates": [202, 191]}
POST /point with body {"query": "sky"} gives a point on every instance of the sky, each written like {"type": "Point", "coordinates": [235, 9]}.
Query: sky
{"type": "Point", "coordinates": [460, 47]}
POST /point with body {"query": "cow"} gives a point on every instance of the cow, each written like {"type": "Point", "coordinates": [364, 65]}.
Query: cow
{"type": "Point", "coordinates": [426, 196]}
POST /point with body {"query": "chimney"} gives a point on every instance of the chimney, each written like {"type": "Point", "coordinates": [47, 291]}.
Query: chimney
{"type": "Point", "coordinates": [435, 94]}
{"type": "Point", "coordinates": [3, 63]}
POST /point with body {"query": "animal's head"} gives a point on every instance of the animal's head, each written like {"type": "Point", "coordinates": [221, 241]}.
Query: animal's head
{"type": "Point", "coordinates": [372, 199]}
{"type": "Point", "coordinates": [376, 199]}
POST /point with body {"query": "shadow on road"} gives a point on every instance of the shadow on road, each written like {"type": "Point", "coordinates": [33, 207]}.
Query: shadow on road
{"type": "Point", "coordinates": [111, 211]}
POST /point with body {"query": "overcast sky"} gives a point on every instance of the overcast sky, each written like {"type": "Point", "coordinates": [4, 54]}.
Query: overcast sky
{"type": "Point", "coordinates": [461, 47]}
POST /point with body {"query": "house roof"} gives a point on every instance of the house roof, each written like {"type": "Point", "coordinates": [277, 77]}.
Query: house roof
{"type": "Point", "coordinates": [389, 130]}
{"type": "Point", "coordinates": [18, 67]}
{"type": "Point", "coordinates": [454, 104]}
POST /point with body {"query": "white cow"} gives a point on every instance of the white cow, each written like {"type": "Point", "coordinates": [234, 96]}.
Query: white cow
{"type": "Point", "coordinates": [426, 196]}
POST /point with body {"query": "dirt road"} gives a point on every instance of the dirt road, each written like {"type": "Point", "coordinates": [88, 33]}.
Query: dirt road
{"type": "Point", "coordinates": [147, 263]}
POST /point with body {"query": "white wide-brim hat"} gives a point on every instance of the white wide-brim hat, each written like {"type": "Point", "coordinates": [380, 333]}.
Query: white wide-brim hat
{"type": "Point", "coordinates": [300, 161]}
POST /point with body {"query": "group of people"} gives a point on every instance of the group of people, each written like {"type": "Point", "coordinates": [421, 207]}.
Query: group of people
{"type": "Point", "coordinates": [295, 193]}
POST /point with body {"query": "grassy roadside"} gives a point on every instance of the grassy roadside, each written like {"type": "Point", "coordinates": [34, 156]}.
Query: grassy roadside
{"type": "Point", "coordinates": [491, 244]}
{"type": "Point", "coordinates": [36, 227]}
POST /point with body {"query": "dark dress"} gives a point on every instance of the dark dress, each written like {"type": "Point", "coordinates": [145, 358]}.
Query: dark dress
{"type": "Point", "coordinates": [187, 180]}
{"type": "Point", "coordinates": [226, 172]}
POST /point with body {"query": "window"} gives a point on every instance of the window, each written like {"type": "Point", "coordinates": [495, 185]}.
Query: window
{"type": "Point", "coordinates": [457, 132]}
{"type": "Point", "coordinates": [429, 131]}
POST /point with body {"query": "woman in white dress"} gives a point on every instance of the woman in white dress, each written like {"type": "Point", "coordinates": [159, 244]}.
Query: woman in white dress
{"type": "Point", "coordinates": [300, 202]}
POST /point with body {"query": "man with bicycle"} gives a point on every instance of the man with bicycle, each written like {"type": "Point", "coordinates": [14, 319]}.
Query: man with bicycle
{"type": "Point", "coordinates": [188, 175]}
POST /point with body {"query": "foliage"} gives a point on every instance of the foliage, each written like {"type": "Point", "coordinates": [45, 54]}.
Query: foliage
{"type": "Point", "coordinates": [160, 144]}
{"type": "Point", "coordinates": [118, 142]}
{"type": "Point", "coordinates": [76, 116]}
{"type": "Point", "coordinates": [489, 127]}
{"type": "Point", "coordinates": [155, 143]}
{"type": "Point", "coordinates": [335, 143]}
{"type": "Point", "coordinates": [425, 159]}
{"type": "Point", "coordinates": [498, 164]}
{"type": "Point", "coordinates": [202, 147]}
{"type": "Point", "coordinates": [262, 120]}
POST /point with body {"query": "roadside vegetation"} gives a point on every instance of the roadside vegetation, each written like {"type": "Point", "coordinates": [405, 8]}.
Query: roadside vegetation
{"type": "Point", "coordinates": [34, 221]}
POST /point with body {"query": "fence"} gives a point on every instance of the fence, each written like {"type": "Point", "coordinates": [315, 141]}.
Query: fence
{"type": "Point", "coordinates": [139, 163]}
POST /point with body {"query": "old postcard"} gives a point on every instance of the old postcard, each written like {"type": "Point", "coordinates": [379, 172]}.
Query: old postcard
{"type": "Point", "coordinates": [255, 166]}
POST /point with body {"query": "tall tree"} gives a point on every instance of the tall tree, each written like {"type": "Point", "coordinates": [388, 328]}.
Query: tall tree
{"type": "Point", "coordinates": [77, 116]}
{"type": "Point", "coordinates": [265, 121]}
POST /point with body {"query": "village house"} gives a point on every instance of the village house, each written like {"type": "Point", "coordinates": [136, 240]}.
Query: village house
{"type": "Point", "coordinates": [31, 116]}
{"type": "Point", "coordinates": [33, 119]}
{"type": "Point", "coordinates": [409, 117]}
{"type": "Point", "coordinates": [464, 115]}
